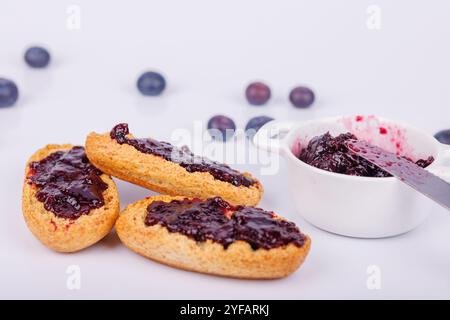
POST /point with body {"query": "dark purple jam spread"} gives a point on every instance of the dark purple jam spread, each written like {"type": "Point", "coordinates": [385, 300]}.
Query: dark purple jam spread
{"type": "Point", "coordinates": [67, 183]}
{"type": "Point", "coordinates": [181, 156]}
{"type": "Point", "coordinates": [331, 154]}
{"type": "Point", "coordinates": [217, 220]}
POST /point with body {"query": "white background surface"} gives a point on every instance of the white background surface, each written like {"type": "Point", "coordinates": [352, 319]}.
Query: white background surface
{"type": "Point", "coordinates": [208, 51]}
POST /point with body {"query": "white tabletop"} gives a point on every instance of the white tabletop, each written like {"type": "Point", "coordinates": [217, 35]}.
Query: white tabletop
{"type": "Point", "coordinates": [208, 52]}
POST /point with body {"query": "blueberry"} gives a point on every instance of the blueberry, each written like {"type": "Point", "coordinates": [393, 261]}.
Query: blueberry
{"type": "Point", "coordinates": [221, 127]}
{"type": "Point", "coordinates": [443, 136]}
{"type": "Point", "coordinates": [37, 57]}
{"type": "Point", "coordinates": [151, 83]}
{"type": "Point", "coordinates": [8, 93]}
{"type": "Point", "coordinates": [301, 97]}
{"type": "Point", "coordinates": [254, 124]}
{"type": "Point", "coordinates": [257, 93]}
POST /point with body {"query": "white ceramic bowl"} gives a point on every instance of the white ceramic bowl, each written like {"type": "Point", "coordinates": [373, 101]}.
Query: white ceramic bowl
{"type": "Point", "coordinates": [351, 205]}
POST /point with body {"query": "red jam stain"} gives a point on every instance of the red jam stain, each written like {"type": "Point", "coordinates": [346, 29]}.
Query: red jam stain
{"type": "Point", "coordinates": [67, 183]}
{"type": "Point", "coordinates": [67, 226]}
{"type": "Point", "coordinates": [378, 132]}
{"type": "Point", "coordinates": [216, 220]}
{"type": "Point", "coordinates": [296, 147]}
{"type": "Point", "coordinates": [332, 154]}
{"type": "Point", "coordinates": [181, 156]}
{"type": "Point", "coordinates": [55, 227]}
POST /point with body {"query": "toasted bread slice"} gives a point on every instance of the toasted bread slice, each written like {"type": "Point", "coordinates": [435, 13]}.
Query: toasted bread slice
{"type": "Point", "coordinates": [68, 235]}
{"type": "Point", "coordinates": [158, 174]}
{"type": "Point", "coordinates": [175, 249]}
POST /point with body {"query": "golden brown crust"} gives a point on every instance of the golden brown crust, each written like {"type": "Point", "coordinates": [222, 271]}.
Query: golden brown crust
{"type": "Point", "coordinates": [157, 174]}
{"type": "Point", "coordinates": [239, 260]}
{"type": "Point", "coordinates": [66, 235]}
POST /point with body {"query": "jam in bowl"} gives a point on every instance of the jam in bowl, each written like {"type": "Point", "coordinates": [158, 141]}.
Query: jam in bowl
{"type": "Point", "coordinates": [342, 194]}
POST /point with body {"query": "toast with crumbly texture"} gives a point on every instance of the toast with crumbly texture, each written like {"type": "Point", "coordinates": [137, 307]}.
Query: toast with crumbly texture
{"type": "Point", "coordinates": [65, 235]}
{"type": "Point", "coordinates": [239, 260]}
{"type": "Point", "coordinates": [158, 174]}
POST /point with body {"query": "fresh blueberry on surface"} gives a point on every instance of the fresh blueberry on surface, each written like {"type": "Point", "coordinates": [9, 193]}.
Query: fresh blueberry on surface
{"type": "Point", "coordinates": [37, 57]}
{"type": "Point", "coordinates": [221, 127]}
{"type": "Point", "coordinates": [254, 124]}
{"type": "Point", "coordinates": [151, 83]}
{"type": "Point", "coordinates": [443, 136]}
{"type": "Point", "coordinates": [257, 93]}
{"type": "Point", "coordinates": [301, 97]}
{"type": "Point", "coordinates": [8, 93]}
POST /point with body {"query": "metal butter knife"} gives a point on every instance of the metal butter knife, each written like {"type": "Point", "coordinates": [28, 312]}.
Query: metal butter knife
{"type": "Point", "coordinates": [406, 171]}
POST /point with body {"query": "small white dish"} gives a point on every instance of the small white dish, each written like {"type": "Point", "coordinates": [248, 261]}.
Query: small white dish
{"type": "Point", "coordinates": [355, 206]}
